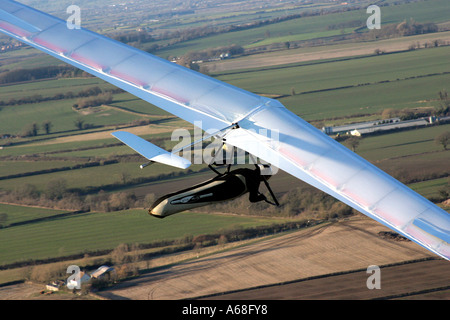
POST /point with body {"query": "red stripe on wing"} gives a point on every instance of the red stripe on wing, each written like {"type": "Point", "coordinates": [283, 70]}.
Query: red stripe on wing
{"type": "Point", "coordinates": [292, 157]}
{"type": "Point", "coordinates": [49, 45]}
{"type": "Point", "coordinates": [389, 217]}
{"type": "Point", "coordinates": [87, 61]}
{"type": "Point", "coordinates": [127, 77]}
{"type": "Point", "coordinates": [356, 198]}
{"type": "Point", "coordinates": [324, 177]}
{"type": "Point", "coordinates": [170, 94]}
{"type": "Point", "coordinates": [13, 29]}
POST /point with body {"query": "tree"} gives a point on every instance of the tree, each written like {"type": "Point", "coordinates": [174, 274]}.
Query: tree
{"type": "Point", "coordinates": [444, 103]}
{"type": "Point", "coordinates": [444, 192]}
{"type": "Point", "coordinates": [91, 100]}
{"type": "Point", "coordinates": [47, 125]}
{"type": "Point", "coordinates": [48, 272]}
{"type": "Point", "coordinates": [119, 255]}
{"type": "Point", "coordinates": [34, 129]}
{"type": "Point", "coordinates": [31, 130]}
{"type": "Point", "coordinates": [121, 201]}
{"type": "Point", "coordinates": [26, 191]}
{"type": "Point", "coordinates": [124, 177]}
{"type": "Point", "coordinates": [222, 240]}
{"type": "Point", "coordinates": [149, 200]}
{"type": "Point", "coordinates": [388, 113]}
{"type": "Point", "coordinates": [79, 123]}
{"type": "Point", "coordinates": [443, 139]}
{"type": "Point", "coordinates": [353, 142]}
{"type": "Point", "coordinates": [56, 188]}
{"type": "Point", "coordinates": [135, 254]}
{"type": "Point", "coordinates": [443, 95]}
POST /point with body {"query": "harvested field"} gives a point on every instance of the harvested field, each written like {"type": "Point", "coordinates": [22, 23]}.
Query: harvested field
{"type": "Point", "coordinates": [325, 249]}
{"type": "Point", "coordinates": [424, 280]}
{"type": "Point", "coordinates": [142, 130]}
{"type": "Point", "coordinates": [325, 52]}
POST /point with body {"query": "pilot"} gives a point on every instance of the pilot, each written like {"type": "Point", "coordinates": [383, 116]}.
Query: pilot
{"type": "Point", "coordinates": [252, 180]}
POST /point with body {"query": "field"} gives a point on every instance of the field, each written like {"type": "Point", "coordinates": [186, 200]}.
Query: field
{"type": "Point", "coordinates": [101, 193]}
{"type": "Point", "coordinates": [333, 89]}
{"type": "Point", "coordinates": [310, 28]}
{"type": "Point", "coordinates": [100, 231]}
{"type": "Point", "coordinates": [326, 75]}
{"type": "Point", "coordinates": [338, 248]}
{"type": "Point", "coordinates": [332, 51]}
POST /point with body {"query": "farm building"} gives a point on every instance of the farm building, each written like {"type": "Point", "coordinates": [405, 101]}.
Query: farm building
{"type": "Point", "coordinates": [363, 128]}
{"type": "Point", "coordinates": [101, 272]}
{"type": "Point", "coordinates": [357, 126]}
{"type": "Point", "coordinates": [54, 285]}
{"type": "Point", "coordinates": [389, 126]}
{"type": "Point", "coordinates": [84, 278]}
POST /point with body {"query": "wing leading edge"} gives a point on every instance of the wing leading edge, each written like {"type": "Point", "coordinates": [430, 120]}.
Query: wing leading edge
{"type": "Point", "coordinates": [297, 148]}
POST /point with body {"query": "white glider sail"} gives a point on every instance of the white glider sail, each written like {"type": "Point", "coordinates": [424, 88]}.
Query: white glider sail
{"type": "Point", "coordinates": [297, 147]}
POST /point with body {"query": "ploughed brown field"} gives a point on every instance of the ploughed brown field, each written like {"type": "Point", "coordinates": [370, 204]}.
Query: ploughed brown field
{"type": "Point", "coordinates": [329, 261]}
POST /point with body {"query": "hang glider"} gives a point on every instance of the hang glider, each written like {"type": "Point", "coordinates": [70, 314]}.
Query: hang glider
{"type": "Point", "coordinates": [299, 148]}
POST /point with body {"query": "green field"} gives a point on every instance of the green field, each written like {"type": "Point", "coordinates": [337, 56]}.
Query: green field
{"type": "Point", "coordinates": [26, 58]}
{"type": "Point", "coordinates": [336, 88]}
{"type": "Point", "coordinates": [307, 28]}
{"type": "Point", "coordinates": [8, 168]}
{"type": "Point", "coordinates": [124, 109]}
{"type": "Point", "coordinates": [97, 176]}
{"type": "Point", "coordinates": [367, 100]}
{"type": "Point", "coordinates": [20, 214]}
{"type": "Point", "coordinates": [55, 146]}
{"type": "Point", "coordinates": [360, 86]}
{"type": "Point", "coordinates": [36, 146]}
{"type": "Point", "coordinates": [61, 115]}
{"type": "Point", "coordinates": [323, 75]}
{"type": "Point", "coordinates": [128, 102]}
{"type": "Point", "coordinates": [99, 231]}
{"type": "Point", "coordinates": [429, 188]}
{"type": "Point", "coordinates": [49, 88]}
{"type": "Point", "coordinates": [402, 144]}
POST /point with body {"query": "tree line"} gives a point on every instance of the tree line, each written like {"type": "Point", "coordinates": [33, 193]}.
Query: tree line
{"type": "Point", "coordinates": [94, 101]}
{"type": "Point", "coordinates": [402, 29]}
{"type": "Point", "coordinates": [58, 195]}
{"type": "Point", "coordinates": [137, 38]}
{"type": "Point", "coordinates": [83, 95]}
{"type": "Point", "coordinates": [22, 75]}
